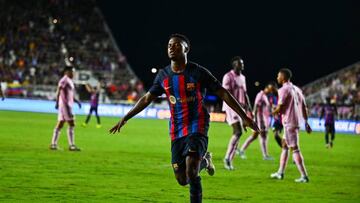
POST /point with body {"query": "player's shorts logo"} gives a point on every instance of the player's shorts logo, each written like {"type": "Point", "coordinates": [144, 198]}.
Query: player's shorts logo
{"type": "Point", "coordinates": [172, 99]}
{"type": "Point", "coordinates": [175, 166]}
{"type": "Point", "coordinates": [190, 86]}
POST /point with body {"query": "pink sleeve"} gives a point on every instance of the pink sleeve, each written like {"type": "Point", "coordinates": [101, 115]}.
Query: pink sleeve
{"type": "Point", "coordinates": [62, 83]}
{"type": "Point", "coordinates": [226, 82]}
{"type": "Point", "coordinates": [283, 93]}
{"type": "Point", "coordinates": [257, 100]}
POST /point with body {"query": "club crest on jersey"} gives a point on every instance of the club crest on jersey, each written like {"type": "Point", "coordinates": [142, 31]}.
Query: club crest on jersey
{"type": "Point", "coordinates": [172, 99]}
{"type": "Point", "coordinates": [190, 86]}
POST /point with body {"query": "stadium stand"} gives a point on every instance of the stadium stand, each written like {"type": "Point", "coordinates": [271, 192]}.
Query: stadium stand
{"type": "Point", "coordinates": [35, 46]}
{"type": "Point", "coordinates": [343, 89]}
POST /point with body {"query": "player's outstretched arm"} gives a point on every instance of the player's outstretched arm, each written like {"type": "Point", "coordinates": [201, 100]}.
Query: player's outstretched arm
{"type": "Point", "coordinates": [231, 101]}
{"type": "Point", "coordinates": [143, 102]}
{"type": "Point", "coordinates": [57, 98]}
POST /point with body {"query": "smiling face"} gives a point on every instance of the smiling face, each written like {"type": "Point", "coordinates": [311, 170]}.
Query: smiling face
{"type": "Point", "coordinates": [177, 49]}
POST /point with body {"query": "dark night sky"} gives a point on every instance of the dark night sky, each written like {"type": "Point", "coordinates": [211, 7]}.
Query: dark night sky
{"type": "Point", "coordinates": [312, 38]}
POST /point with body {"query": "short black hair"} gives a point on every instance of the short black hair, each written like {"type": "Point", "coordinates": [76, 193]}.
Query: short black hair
{"type": "Point", "coordinates": [182, 37]}
{"type": "Point", "coordinates": [68, 68]}
{"type": "Point", "coordinates": [273, 84]}
{"type": "Point", "coordinates": [235, 58]}
{"type": "Point", "coordinates": [287, 73]}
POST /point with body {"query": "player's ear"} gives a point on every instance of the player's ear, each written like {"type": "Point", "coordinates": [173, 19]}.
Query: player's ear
{"type": "Point", "coordinates": [187, 49]}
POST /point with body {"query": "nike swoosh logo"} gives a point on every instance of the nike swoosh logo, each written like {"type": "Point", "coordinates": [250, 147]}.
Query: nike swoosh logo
{"type": "Point", "coordinates": [166, 88]}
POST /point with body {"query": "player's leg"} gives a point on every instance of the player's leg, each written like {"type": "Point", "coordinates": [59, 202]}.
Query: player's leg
{"type": "Point", "coordinates": [327, 131]}
{"type": "Point", "coordinates": [56, 133]}
{"type": "Point", "coordinates": [332, 133]}
{"type": "Point", "coordinates": [178, 161]}
{"type": "Point", "coordinates": [193, 161]}
{"type": "Point", "coordinates": [247, 143]}
{"type": "Point", "coordinates": [264, 145]}
{"type": "Point", "coordinates": [297, 156]}
{"type": "Point", "coordinates": [232, 146]}
{"type": "Point", "coordinates": [71, 136]}
{"type": "Point", "coordinates": [284, 156]}
{"type": "Point", "coordinates": [88, 117]}
{"type": "Point", "coordinates": [97, 118]}
{"type": "Point", "coordinates": [277, 130]}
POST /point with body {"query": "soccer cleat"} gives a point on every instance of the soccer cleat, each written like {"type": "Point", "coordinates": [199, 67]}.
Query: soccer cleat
{"type": "Point", "coordinates": [242, 154]}
{"type": "Point", "coordinates": [277, 175]}
{"type": "Point", "coordinates": [228, 165]}
{"type": "Point", "coordinates": [53, 147]}
{"type": "Point", "coordinates": [74, 148]}
{"type": "Point", "coordinates": [302, 179]}
{"type": "Point", "coordinates": [268, 158]}
{"type": "Point", "coordinates": [98, 126]}
{"type": "Point", "coordinates": [210, 169]}
{"type": "Point", "coordinates": [84, 125]}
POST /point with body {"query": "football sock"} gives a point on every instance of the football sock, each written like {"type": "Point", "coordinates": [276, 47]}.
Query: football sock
{"type": "Point", "coordinates": [71, 136]}
{"type": "Point", "coordinates": [55, 137]}
{"type": "Point", "coordinates": [263, 145]}
{"type": "Point", "coordinates": [195, 190]}
{"type": "Point", "coordinates": [248, 141]}
{"type": "Point", "coordinates": [327, 138]}
{"type": "Point", "coordinates": [283, 160]}
{"type": "Point", "coordinates": [88, 118]}
{"type": "Point", "coordinates": [232, 147]}
{"type": "Point", "coordinates": [299, 160]}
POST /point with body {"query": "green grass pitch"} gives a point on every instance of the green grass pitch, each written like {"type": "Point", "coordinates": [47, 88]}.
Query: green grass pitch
{"type": "Point", "coordinates": [134, 166]}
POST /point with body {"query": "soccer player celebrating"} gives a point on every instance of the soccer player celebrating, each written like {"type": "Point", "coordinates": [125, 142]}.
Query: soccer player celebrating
{"type": "Point", "coordinates": [293, 108]}
{"type": "Point", "coordinates": [94, 103]}
{"type": "Point", "coordinates": [262, 113]}
{"type": "Point", "coordinates": [185, 84]}
{"type": "Point", "coordinates": [273, 99]}
{"type": "Point", "coordinates": [235, 82]}
{"type": "Point", "coordinates": [64, 103]}
{"type": "Point", "coordinates": [329, 110]}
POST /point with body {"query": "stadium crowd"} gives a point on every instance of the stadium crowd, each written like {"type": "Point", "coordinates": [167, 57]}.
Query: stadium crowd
{"type": "Point", "coordinates": [343, 89]}
{"type": "Point", "coordinates": [35, 46]}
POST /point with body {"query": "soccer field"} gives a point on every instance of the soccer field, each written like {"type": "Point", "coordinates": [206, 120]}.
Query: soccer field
{"type": "Point", "coordinates": [134, 166]}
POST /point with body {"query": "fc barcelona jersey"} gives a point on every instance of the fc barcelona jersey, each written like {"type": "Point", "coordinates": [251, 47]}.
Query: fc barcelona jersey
{"type": "Point", "coordinates": [185, 93]}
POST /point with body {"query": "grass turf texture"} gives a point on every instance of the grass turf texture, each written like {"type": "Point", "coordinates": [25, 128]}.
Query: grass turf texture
{"type": "Point", "coordinates": [134, 166]}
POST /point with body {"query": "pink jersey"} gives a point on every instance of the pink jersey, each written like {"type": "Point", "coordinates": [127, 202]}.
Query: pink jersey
{"type": "Point", "coordinates": [262, 106]}
{"type": "Point", "coordinates": [236, 85]}
{"type": "Point", "coordinates": [67, 89]}
{"type": "Point", "coordinates": [291, 99]}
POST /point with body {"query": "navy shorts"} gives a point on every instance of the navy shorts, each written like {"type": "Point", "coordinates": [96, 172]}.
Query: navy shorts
{"type": "Point", "coordinates": [278, 125]}
{"type": "Point", "coordinates": [180, 148]}
{"type": "Point", "coordinates": [330, 127]}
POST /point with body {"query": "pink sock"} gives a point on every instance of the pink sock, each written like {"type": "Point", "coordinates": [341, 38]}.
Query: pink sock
{"type": "Point", "coordinates": [232, 146]}
{"type": "Point", "coordinates": [71, 136]}
{"type": "Point", "coordinates": [283, 160]}
{"type": "Point", "coordinates": [299, 160]}
{"type": "Point", "coordinates": [55, 136]}
{"type": "Point", "coordinates": [263, 144]}
{"type": "Point", "coordinates": [248, 141]}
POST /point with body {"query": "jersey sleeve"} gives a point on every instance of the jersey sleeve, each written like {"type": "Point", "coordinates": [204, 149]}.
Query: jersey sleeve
{"type": "Point", "coordinates": [156, 88]}
{"type": "Point", "coordinates": [62, 83]}
{"type": "Point", "coordinates": [257, 100]}
{"type": "Point", "coordinates": [226, 82]}
{"type": "Point", "coordinates": [209, 81]}
{"type": "Point", "coordinates": [283, 94]}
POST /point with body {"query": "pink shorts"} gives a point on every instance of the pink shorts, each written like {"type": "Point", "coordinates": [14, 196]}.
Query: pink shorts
{"type": "Point", "coordinates": [291, 136]}
{"type": "Point", "coordinates": [232, 117]}
{"type": "Point", "coordinates": [63, 115]}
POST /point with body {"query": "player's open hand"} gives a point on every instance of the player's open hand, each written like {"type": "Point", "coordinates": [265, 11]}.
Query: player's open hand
{"type": "Point", "coordinates": [251, 124]}
{"type": "Point", "coordinates": [308, 128]}
{"type": "Point", "coordinates": [117, 127]}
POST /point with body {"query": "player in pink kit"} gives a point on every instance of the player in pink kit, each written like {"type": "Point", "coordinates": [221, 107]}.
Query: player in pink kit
{"type": "Point", "coordinates": [235, 83]}
{"type": "Point", "coordinates": [293, 109]}
{"type": "Point", "coordinates": [64, 103]}
{"type": "Point", "coordinates": [262, 109]}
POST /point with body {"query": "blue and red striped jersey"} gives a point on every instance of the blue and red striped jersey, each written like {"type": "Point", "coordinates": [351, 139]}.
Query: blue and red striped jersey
{"type": "Point", "coordinates": [185, 93]}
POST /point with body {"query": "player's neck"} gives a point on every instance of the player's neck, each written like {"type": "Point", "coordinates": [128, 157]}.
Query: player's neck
{"type": "Point", "coordinates": [178, 66]}
{"type": "Point", "coordinates": [237, 72]}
